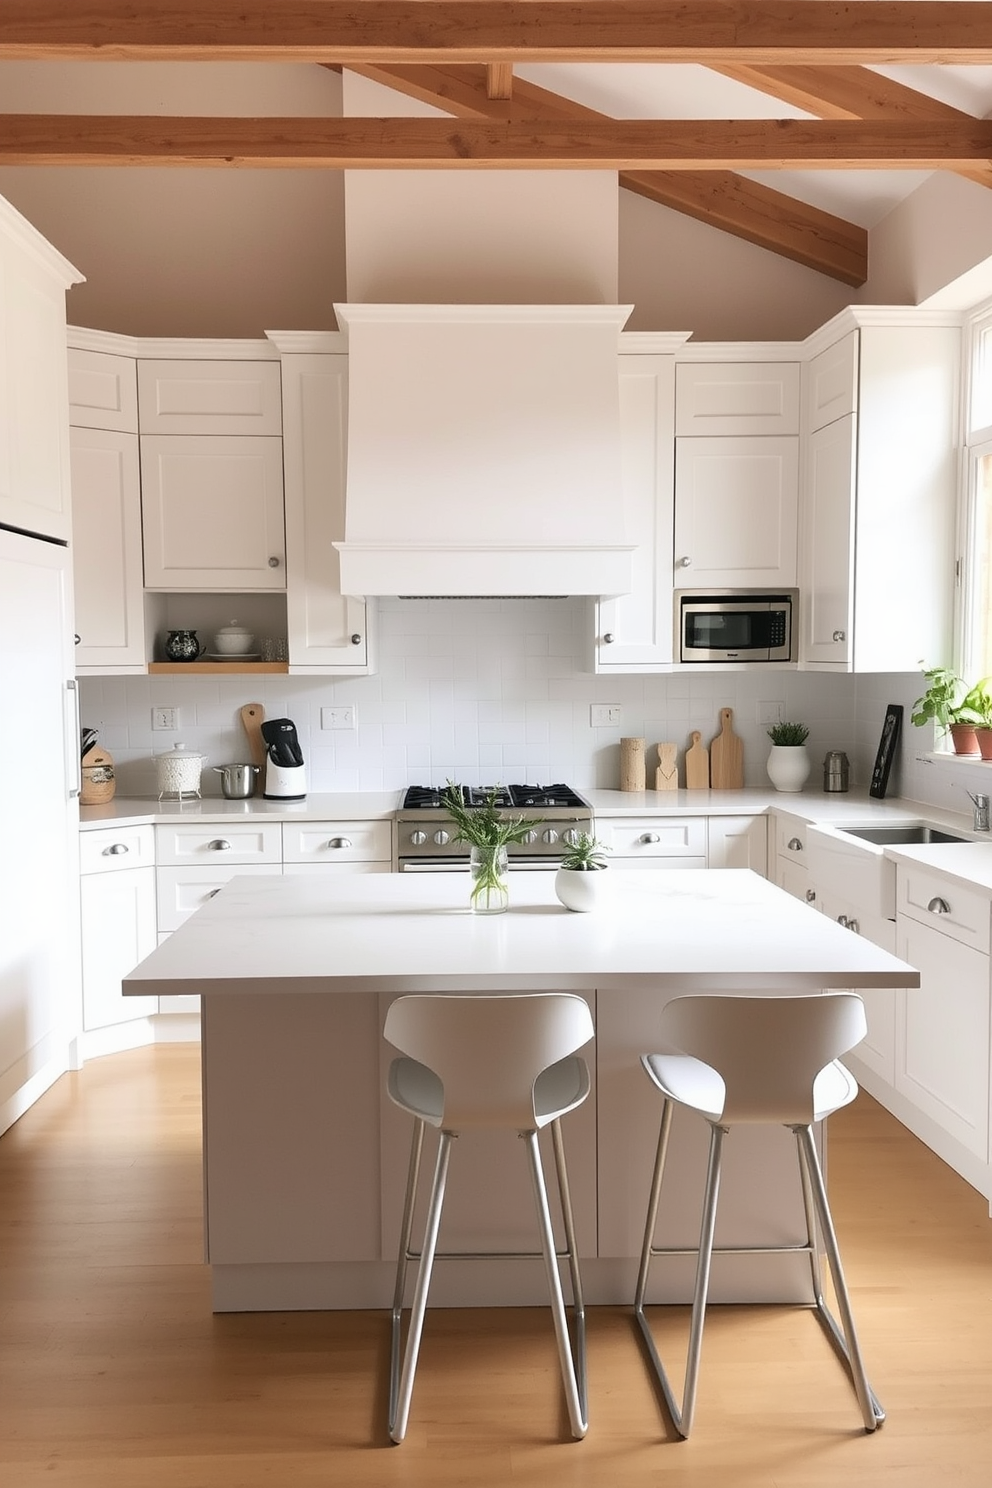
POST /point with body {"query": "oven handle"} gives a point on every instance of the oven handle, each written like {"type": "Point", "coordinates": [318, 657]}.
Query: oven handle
{"type": "Point", "coordinates": [529, 865]}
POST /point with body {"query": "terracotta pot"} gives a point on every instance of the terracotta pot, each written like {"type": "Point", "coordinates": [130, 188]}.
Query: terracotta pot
{"type": "Point", "coordinates": [963, 738]}
{"type": "Point", "coordinates": [984, 737]}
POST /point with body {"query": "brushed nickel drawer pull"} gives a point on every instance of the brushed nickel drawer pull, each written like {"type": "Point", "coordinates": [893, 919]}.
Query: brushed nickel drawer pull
{"type": "Point", "coordinates": [340, 842]}
{"type": "Point", "coordinates": [650, 837]}
{"type": "Point", "coordinates": [810, 896]}
{"type": "Point", "coordinates": [114, 850]}
{"type": "Point", "coordinates": [852, 924]}
{"type": "Point", "coordinates": [843, 920]}
{"type": "Point", "coordinates": [219, 844]}
{"type": "Point", "coordinates": [939, 906]}
{"type": "Point", "coordinates": [794, 845]}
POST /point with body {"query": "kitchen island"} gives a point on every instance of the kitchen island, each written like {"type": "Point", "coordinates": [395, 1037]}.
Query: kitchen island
{"type": "Point", "coordinates": [305, 1159]}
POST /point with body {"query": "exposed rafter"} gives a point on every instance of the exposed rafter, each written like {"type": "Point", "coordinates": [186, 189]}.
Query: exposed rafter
{"type": "Point", "coordinates": [471, 144]}
{"type": "Point", "coordinates": [757, 213]}
{"type": "Point", "coordinates": [851, 93]}
{"type": "Point", "coordinates": [353, 31]}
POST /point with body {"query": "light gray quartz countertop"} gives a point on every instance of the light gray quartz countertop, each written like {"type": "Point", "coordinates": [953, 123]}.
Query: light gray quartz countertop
{"type": "Point", "coordinates": [329, 806]}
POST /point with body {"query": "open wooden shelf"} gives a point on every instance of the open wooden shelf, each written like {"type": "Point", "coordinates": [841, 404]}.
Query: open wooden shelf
{"type": "Point", "coordinates": [218, 668]}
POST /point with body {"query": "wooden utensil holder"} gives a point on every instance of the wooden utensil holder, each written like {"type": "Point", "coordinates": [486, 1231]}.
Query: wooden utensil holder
{"type": "Point", "coordinates": [632, 775]}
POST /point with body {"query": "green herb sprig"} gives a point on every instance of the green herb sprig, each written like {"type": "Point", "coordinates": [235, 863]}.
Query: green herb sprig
{"type": "Point", "coordinates": [484, 826]}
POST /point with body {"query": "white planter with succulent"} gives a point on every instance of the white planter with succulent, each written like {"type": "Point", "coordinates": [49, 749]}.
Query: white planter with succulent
{"type": "Point", "coordinates": [789, 762]}
{"type": "Point", "coordinates": [487, 833]}
{"type": "Point", "coordinates": [581, 881]}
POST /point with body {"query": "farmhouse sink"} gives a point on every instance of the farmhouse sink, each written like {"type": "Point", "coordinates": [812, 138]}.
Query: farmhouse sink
{"type": "Point", "coordinates": [905, 832]}
{"type": "Point", "coordinates": [848, 864]}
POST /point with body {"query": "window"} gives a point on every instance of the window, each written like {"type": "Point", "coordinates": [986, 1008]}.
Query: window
{"type": "Point", "coordinates": [976, 580]}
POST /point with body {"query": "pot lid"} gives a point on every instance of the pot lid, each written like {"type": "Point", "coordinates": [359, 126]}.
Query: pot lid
{"type": "Point", "coordinates": [179, 751]}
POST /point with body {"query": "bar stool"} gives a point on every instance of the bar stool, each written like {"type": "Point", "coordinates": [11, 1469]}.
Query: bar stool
{"type": "Point", "coordinates": [755, 1060]}
{"type": "Point", "coordinates": [505, 1062]}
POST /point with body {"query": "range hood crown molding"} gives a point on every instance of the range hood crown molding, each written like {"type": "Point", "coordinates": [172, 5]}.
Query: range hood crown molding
{"type": "Point", "coordinates": [484, 450]}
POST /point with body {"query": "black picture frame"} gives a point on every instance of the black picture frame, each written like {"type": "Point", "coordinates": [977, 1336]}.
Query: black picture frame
{"type": "Point", "coordinates": [887, 744]}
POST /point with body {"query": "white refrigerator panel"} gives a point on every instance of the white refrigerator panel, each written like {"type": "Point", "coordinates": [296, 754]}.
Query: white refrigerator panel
{"type": "Point", "coordinates": [39, 915]}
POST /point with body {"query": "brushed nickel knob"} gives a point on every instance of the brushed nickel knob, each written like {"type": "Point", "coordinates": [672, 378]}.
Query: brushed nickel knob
{"type": "Point", "coordinates": [684, 563]}
{"type": "Point", "coordinates": [852, 924]}
{"type": "Point", "coordinates": [810, 896]}
{"type": "Point", "coordinates": [843, 920]}
{"type": "Point", "coordinates": [274, 562]}
{"type": "Point", "coordinates": [608, 638]}
{"type": "Point", "coordinates": [356, 639]}
{"type": "Point", "coordinates": [840, 635]}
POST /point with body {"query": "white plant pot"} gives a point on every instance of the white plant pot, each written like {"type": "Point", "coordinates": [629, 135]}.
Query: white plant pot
{"type": "Point", "coordinates": [788, 766]}
{"type": "Point", "coordinates": [580, 889]}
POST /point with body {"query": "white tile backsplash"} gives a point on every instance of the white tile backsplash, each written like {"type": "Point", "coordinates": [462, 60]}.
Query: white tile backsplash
{"type": "Point", "coordinates": [486, 690]}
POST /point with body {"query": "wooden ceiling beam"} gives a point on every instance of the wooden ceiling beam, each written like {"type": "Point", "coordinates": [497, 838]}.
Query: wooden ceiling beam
{"type": "Point", "coordinates": [756, 213]}
{"type": "Point", "coordinates": [851, 93]}
{"type": "Point", "coordinates": [357, 31]}
{"type": "Point", "coordinates": [481, 144]}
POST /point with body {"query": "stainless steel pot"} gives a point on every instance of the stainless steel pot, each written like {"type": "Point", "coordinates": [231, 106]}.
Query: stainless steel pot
{"type": "Point", "coordinates": [237, 782]}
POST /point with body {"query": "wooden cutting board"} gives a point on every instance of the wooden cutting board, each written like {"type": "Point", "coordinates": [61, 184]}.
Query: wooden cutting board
{"type": "Point", "coordinates": [253, 716]}
{"type": "Point", "coordinates": [697, 764]}
{"type": "Point", "coordinates": [666, 776]}
{"type": "Point", "coordinates": [727, 755]}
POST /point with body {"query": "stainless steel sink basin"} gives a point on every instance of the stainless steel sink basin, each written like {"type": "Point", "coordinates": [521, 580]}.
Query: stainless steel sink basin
{"type": "Point", "coordinates": [908, 832]}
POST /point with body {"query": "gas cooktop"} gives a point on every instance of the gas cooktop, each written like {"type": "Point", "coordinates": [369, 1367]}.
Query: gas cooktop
{"type": "Point", "coordinates": [504, 797]}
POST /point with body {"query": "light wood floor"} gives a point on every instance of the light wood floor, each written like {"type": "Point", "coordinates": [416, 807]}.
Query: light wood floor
{"type": "Point", "coordinates": [115, 1374]}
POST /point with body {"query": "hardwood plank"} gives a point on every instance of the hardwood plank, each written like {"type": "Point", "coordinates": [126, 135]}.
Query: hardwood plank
{"type": "Point", "coordinates": [764, 31]}
{"type": "Point", "coordinates": [851, 93]}
{"type": "Point", "coordinates": [438, 144]}
{"type": "Point", "coordinates": [734, 204]}
{"type": "Point", "coordinates": [115, 1374]}
{"type": "Point", "coordinates": [499, 80]}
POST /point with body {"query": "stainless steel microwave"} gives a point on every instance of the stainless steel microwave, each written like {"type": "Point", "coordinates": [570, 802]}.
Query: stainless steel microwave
{"type": "Point", "coordinates": [734, 625]}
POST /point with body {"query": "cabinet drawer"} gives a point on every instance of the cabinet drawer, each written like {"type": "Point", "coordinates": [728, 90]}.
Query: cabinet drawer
{"type": "Point", "coordinates": [949, 908]}
{"type": "Point", "coordinates": [116, 848]}
{"type": "Point", "coordinates": [737, 398]}
{"type": "Point", "coordinates": [790, 839]}
{"type": "Point", "coordinates": [655, 837]}
{"type": "Point", "coordinates": [337, 842]}
{"type": "Point", "coordinates": [103, 391]}
{"type": "Point", "coordinates": [221, 842]}
{"type": "Point", "coordinates": [831, 383]}
{"type": "Point", "coordinates": [181, 891]}
{"type": "Point", "coordinates": [190, 397]}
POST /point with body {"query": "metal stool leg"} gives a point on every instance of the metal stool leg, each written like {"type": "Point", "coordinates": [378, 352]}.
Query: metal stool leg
{"type": "Point", "coordinates": [578, 1302]}
{"type": "Point", "coordinates": [682, 1417]}
{"type": "Point", "coordinates": [402, 1262]}
{"type": "Point", "coordinates": [845, 1340]}
{"type": "Point", "coordinates": [400, 1416]}
{"type": "Point", "coordinates": [576, 1413]}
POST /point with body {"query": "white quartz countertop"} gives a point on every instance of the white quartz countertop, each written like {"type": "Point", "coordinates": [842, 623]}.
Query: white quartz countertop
{"type": "Point", "coordinates": [704, 930]}
{"type": "Point", "coordinates": [329, 806]}
{"type": "Point", "coordinates": [967, 863]}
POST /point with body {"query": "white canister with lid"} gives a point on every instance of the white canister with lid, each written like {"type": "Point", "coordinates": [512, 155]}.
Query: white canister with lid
{"type": "Point", "coordinates": [233, 640]}
{"type": "Point", "coordinates": [179, 772]}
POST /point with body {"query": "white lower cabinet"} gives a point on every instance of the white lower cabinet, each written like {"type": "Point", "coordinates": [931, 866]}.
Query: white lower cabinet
{"type": "Point", "coordinates": [943, 1027]}
{"type": "Point", "coordinates": [365, 845]}
{"type": "Point", "coordinates": [738, 842]}
{"type": "Point", "coordinates": [877, 1051]}
{"type": "Point", "coordinates": [117, 904]}
{"type": "Point", "coordinates": [653, 841]}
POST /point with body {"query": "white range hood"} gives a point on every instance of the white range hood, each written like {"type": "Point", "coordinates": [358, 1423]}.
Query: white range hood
{"type": "Point", "coordinates": [483, 450]}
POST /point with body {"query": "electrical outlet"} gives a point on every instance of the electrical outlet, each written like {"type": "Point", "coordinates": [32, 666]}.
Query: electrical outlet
{"type": "Point", "coordinates": [338, 718]}
{"type": "Point", "coordinates": [769, 713]}
{"type": "Point", "coordinates": [165, 718]}
{"type": "Point", "coordinates": [604, 715]}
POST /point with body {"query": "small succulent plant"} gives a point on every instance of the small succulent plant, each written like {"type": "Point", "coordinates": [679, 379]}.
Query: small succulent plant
{"type": "Point", "coordinates": [791, 735]}
{"type": "Point", "coordinates": [585, 855]}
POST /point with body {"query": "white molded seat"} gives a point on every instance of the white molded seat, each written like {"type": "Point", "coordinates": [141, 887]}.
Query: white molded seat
{"type": "Point", "coordinates": [755, 1060]}
{"type": "Point", "coordinates": [505, 1062]}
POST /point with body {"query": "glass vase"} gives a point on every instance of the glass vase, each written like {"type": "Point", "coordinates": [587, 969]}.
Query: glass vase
{"type": "Point", "coordinates": [490, 885]}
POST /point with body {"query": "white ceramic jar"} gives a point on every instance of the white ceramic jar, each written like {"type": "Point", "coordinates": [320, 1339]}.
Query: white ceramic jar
{"type": "Point", "coordinates": [178, 772]}
{"type": "Point", "coordinates": [788, 766]}
{"type": "Point", "coordinates": [233, 640]}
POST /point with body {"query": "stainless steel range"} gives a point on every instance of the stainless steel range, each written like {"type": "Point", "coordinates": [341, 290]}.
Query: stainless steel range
{"type": "Point", "coordinates": [426, 833]}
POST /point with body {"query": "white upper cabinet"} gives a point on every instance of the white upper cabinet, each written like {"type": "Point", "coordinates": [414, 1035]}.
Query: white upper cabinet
{"type": "Point", "coordinates": [328, 630]}
{"type": "Point", "coordinates": [736, 504]}
{"type": "Point", "coordinates": [34, 451]}
{"type": "Point", "coordinates": [737, 398]}
{"type": "Point", "coordinates": [736, 474]}
{"type": "Point", "coordinates": [634, 631]}
{"type": "Point", "coordinates": [106, 551]}
{"type": "Point", "coordinates": [212, 512]}
{"type": "Point", "coordinates": [878, 518]}
{"type": "Point", "coordinates": [209, 397]}
{"type": "Point", "coordinates": [103, 390]}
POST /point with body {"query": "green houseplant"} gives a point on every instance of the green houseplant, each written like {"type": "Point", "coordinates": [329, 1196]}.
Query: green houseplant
{"type": "Point", "coordinates": [579, 881]}
{"type": "Point", "coordinates": [788, 761]}
{"type": "Point", "coordinates": [487, 832]}
{"type": "Point", "coordinates": [951, 705]}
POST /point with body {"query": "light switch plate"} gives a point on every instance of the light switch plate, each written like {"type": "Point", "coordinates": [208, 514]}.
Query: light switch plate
{"type": "Point", "coordinates": [165, 718]}
{"type": "Point", "coordinates": [338, 718]}
{"type": "Point", "coordinates": [604, 715]}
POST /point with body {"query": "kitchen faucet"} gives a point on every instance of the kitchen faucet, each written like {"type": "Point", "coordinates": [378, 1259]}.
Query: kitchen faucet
{"type": "Point", "coordinates": [981, 818]}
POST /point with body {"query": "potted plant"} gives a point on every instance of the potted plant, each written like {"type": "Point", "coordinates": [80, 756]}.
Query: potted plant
{"type": "Point", "coordinates": [487, 832]}
{"type": "Point", "coordinates": [578, 882]}
{"type": "Point", "coordinates": [947, 704]}
{"type": "Point", "coordinates": [788, 762]}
